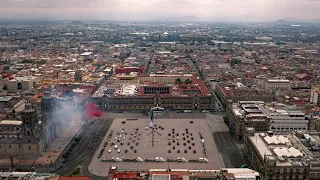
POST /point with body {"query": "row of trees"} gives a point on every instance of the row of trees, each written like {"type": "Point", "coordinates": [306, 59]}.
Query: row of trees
{"type": "Point", "coordinates": [179, 81]}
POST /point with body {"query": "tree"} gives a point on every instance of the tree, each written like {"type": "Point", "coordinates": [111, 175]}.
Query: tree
{"type": "Point", "coordinates": [178, 81]}
{"type": "Point", "coordinates": [235, 61]}
{"type": "Point", "coordinates": [188, 81]}
{"type": "Point", "coordinates": [6, 68]}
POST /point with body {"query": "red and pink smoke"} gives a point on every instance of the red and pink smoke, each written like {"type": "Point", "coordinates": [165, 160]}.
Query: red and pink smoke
{"type": "Point", "coordinates": [92, 110]}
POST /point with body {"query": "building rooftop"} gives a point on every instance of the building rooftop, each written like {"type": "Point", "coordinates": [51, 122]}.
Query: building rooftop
{"type": "Point", "coordinates": [5, 99]}
{"type": "Point", "coordinates": [86, 54]}
{"type": "Point", "coordinates": [278, 109]}
{"type": "Point", "coordinates": [161, 177]}
{"type": "Point", "coordinates": [128, 90]}
{"type": "Point", "coordinates": [249, 109]}
{"type": "Point", "coordinates": [197, 87]}
{"type": "Point", "coordinates": [285, 149]}
{"type": "Point", "coordinates": [240, 173]}
{"type": "Point", "coordinates": [278, 80]}
{"type": "Point", "coordinates": [11, 122]}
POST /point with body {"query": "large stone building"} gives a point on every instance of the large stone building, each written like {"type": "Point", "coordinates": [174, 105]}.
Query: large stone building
{"type": "Point", "coordinates": [134, 78]}
{"type": "Point", "coordinates": [20, 84]}
{"type": "Point", "coordinates": [246, 114]}
{"type": "Point", "coordinates": [190, 174]}
{"type": "Point", "coordinates": [263, 117]}
{"type": "Point", "coordinates": [234, 92]}
{"type": "Point", "coordinates": [22, 137]}
{"type": "Point", "coordinates": [277, 84]}
{"type": "Point", "coordinates": [282, 156]}
{"type": "Point", "coordinates": [145, 96]}
{"type": "Point", "coordinates": [285, 118]}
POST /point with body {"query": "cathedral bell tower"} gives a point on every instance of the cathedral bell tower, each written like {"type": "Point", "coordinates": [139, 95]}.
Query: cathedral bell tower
{"type": "Point", "coordinates": [31, 131]}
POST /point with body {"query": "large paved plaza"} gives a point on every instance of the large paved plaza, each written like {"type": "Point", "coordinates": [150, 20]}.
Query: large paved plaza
{"type": "Point", "coordinates": [134, 140]}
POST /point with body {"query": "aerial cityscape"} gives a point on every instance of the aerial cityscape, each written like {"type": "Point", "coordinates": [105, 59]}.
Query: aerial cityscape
{"type": "Point", "coordinates": [170, 97]}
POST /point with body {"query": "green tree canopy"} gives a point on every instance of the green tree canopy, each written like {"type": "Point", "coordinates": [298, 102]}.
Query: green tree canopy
{"type": "Point", "coordinates": [188, 81]}
{"type": "Point", "coordinates": [178, 81]}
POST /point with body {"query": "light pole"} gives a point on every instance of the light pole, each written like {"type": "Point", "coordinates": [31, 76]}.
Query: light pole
{"type": "Point", "coordinates": [152, 112]}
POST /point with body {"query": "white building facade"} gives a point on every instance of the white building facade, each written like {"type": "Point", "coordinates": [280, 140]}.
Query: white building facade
{"type": "Point", "coordinates": [285, 118]}
{"type": "Point", "coordinates": [278, 84]}
{"type": "Point", "coordinates": [315, 95]}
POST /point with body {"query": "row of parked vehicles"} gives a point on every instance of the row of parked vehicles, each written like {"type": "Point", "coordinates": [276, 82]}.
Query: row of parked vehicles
{"type": "Point", "coordinates": [156, 159]}
{"type": "Point", "coordinates": [204, 149]}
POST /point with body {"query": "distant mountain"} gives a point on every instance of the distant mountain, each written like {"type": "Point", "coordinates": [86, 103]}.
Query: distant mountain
{"type": "Point", "coordinates": [76, 23]}
{"type": "Point", "coordinates": [281, 21]}
{"type": "Point", "coordinates": [294, 20]}
{"type": "Point", "coordinates": [178, 19]}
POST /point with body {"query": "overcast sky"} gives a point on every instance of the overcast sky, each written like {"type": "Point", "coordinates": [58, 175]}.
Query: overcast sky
{"type": "Point", "coordinates": [215, 10]}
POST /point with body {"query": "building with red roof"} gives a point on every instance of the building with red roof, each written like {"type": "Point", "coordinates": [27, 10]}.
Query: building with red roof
{"type": "Point", "coordinates": [193, 96]}
{"type": "Point", "coordinates": [182, 174]}
{"type": "Point", "coordinates": [236, 91]}
{"type": "Point", "coordinates": [128, 70]}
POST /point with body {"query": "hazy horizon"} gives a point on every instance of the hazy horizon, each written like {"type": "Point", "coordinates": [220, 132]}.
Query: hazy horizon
{"type": "Point", "coordinates": [131, 10]}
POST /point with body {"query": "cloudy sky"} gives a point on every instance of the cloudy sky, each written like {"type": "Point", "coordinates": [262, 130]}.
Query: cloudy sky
{"type": "Point", "coordinates": [215, 10]}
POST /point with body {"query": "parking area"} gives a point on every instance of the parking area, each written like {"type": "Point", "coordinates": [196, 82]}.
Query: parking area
{"type": "Point", "coordinates": [173, 138]}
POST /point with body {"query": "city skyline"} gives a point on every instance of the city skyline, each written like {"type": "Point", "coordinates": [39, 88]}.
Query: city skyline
{"type": "Point", "coordinates": [203, 10]}
{"type": "Point", "coordinates": [159, 89]}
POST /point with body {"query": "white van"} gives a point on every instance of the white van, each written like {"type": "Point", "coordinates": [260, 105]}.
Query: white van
{"type": "Point", "coordinates": [159, 159]}
{"type": "Point", "coordinates": [203, 160]}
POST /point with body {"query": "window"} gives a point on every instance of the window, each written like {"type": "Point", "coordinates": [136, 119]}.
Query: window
{"type": "Point", "coordinates": [19, 85]}
{"type": "Point", "coordinates": [9, 146]}
{"type": "Point", "coordinates": [29, 147]}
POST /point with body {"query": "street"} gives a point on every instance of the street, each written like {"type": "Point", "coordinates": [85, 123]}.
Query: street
{"type": "Point", "coordinates": [226, 144]}
{"type": "Point", "coordinates": [91, 139]}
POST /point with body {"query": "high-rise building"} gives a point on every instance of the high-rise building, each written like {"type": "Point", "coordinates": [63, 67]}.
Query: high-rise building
{"type": "Point", "coordinates": [315, 95]}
